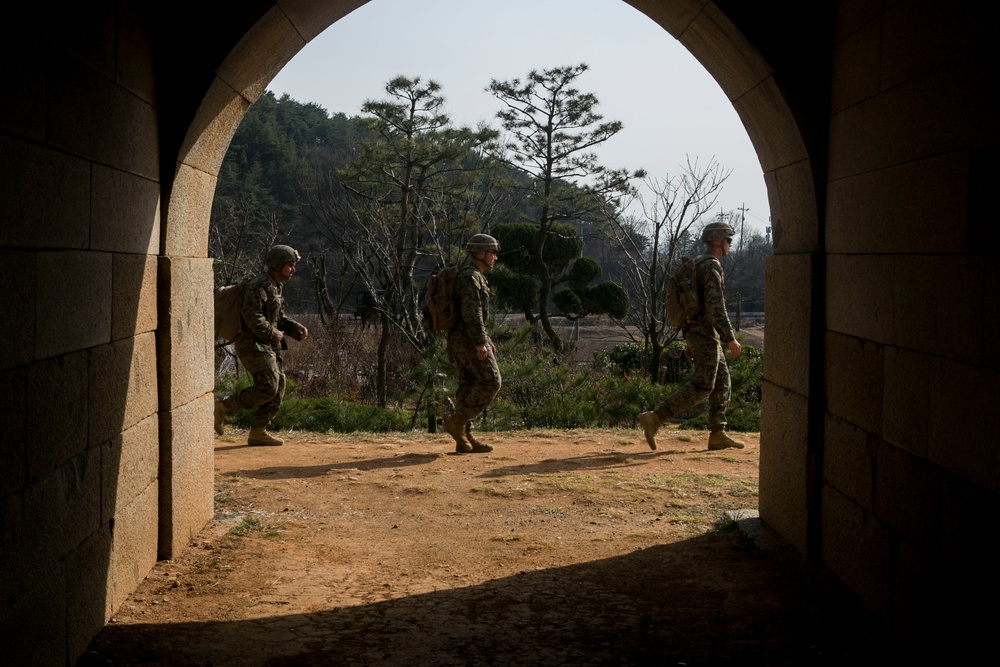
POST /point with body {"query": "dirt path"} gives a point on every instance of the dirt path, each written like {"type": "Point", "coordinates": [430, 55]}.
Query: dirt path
{"type": "Point", "coordinates": [559, 548]}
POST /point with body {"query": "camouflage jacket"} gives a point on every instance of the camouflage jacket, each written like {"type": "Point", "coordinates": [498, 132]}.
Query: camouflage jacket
{"type": "Point", "coordinates": [263, 312]}
{"type": "Point", "coordinates": [474, 306]}
{"type": "Point", "coordinates": [713, 321]}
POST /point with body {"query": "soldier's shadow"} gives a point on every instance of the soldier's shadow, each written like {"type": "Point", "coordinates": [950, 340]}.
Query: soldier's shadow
{"type": "Point", "coordinates": [603, 461]}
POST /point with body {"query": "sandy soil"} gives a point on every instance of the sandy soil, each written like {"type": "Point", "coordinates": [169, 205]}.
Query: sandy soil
{"type": "Point", "coordinates": [559, 548]}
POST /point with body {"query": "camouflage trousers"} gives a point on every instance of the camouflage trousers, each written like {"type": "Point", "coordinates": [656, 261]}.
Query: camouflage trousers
{"type": "Point", "coordinates": [268, 389]}
{"type": "Point", "coordinates": [711, 381]}
{"type": "Point", "coordinates": [478, 381]}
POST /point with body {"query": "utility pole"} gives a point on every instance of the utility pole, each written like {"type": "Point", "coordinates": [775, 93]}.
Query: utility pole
{"type": "Point", "coordinates": [743, 218]}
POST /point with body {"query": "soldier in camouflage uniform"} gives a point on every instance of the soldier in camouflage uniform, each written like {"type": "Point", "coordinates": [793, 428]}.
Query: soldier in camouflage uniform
{"type": "Point", "coordinates": [705, 334]}
{"type": "Point", "coordinates": [469, 346]}
{"type": "Point", "coordinates": [259, 343]}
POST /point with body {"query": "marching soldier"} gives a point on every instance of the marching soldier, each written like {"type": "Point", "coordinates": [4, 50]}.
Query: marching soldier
{"type": "Point", "coordinates": [705, 334]}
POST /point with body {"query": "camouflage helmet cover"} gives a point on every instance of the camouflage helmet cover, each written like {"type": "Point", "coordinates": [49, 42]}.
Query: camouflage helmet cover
{"type": "Point", "coordinates": [716, 231]}
{"type": "Point", "coordinates": [482, 243]}
{"type": "Point", "coordinates": [280, 255]}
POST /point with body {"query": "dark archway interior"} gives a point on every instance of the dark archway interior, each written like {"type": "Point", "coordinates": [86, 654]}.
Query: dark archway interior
{"type": "Point", "coordinates": [874, 122]}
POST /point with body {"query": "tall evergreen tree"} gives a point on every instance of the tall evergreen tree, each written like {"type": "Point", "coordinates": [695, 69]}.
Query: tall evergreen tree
{"type": "Point", "coordinates": [552, 128]}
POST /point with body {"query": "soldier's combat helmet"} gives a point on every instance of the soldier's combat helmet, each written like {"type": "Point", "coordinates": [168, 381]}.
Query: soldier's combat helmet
{"type": "Point", "coordinates": [716, 231]}
{"type": "Point", "coordinates": [280, 255]}
{"type": "Point", "coordinates": [482, 243]}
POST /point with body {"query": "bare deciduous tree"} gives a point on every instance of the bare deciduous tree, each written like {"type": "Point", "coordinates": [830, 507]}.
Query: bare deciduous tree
{"type": "Point", "coordinates": [652, 243]}
{"type": "Point", "coordinates": [408, 196]}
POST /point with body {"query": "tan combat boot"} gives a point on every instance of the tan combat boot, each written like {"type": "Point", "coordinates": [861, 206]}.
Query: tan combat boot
{"type": "Point", "coordinates": [721, 440]}
{"type": "Point", "coordinates": [650, 422]}
{"type": "Point", "coordinates": [455, 426]}
{"type": "Point", "coordinates": [477, 446]}
{"type": "Point", "coordinates": [220, 417]}
{"type": "Point", "coordinates": [259, 437]}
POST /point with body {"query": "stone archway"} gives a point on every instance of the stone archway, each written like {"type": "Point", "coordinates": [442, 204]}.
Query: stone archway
{"type": "Point", "coordinates": [715, 41]}
{"type": "Point", "coordinates": [876, 128]}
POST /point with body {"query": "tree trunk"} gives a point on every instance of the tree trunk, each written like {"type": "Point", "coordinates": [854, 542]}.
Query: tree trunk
{"type": "Point", "coordinates": [380, 374]}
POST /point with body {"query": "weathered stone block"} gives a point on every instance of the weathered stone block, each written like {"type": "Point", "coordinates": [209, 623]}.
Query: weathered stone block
{"type": "Point", "coordinates": [724, 51]}
{"type": "Point", "coordinates": [190, 209]}
{"type": "Point", "coordinates": [57, 412]}
{"type": "Point", "coordinates": [866, 569]}
{"type": "Point", "coordinates": [131, 465]}
{"type": "Point", "coordinates": [852, 15]}
{"type": "Point", "coordinates": [991, 316]}
{"type": "Point", "coordinates": [17, 274]}
{"type": "Point", "coordinates": [939, 112]}
{"type": "Point", "coordinates": [88, 33]}
{"type": "Point", "coordinates": [135, 54]}
{"type": "Point", "coordinates": [967, 507]}
{"type": "Point", "coordinates": [87, 606]}
{"type": "Point", "coordinates": [91, 116]}
{"type": "Point", "coordinates": [859, 296]}
{"type": "Point", "coordinates": [917, 594]}
{"type": "Point", "coordinates": [13, 420]}
{"type": "Point", "coordinates": [22, 106]}
{"type": "Point", "coordinates": [854, 381]}
{"type": "Point", "coordinates": [133, 306]}
{"type": "Point", "coordinates": [674, 17]}
{"type": "Point", "coordinates": [261, 54]}
{"type": "Point", "coordinates": [907, 399]}
{"type": "Point", "coordinates": [186, 473]}
{"type": "Point", "coordinates": [134, 546]}
{"type": "Point", "coordinates": [771, 126]}
{"type": "Point", "coordinates": [186, 333]}
{"type": "Point", "coordinates": [73, 307]}
{"type": "Point", "coordinates": [962, 398]}
{"type": "Point", "coordinates": [310, 18]}
{"type": "Point", "coordinates": [783, 439]}
{"type": "Point", "coordinates": [33, 628]}
{"type": "Point", "coordinates": [208, 138]}
{"type": "Point", "coordinates": [792, 198]}
{"type": "Point", "coordinates": [788, 284]}
{"type": "Point", "coordinates": [125, 213]}
{"type": "Point", "coordinates": [849, 461]}
{"type": "Point", "coordinates": [919, 207]}
{"type": "Point", "coordinates": [875, 133]}
{"type": "Point", "coordinates": [44, 197]}
{"type": "Point", "coordinates": [11, 546]}
{"type": "Point", "coordinates": [123, 388]}
{"type": "Point", "coordinates": [919, 36]}
{"type": "Point", "coordinates": [908, 495]}
{"type": "Point", "coordinates": [60, 511]}
{"type": "Point", "coordinates": [856, 66]}
{"type": "Point", "coordinates": [938, 305]}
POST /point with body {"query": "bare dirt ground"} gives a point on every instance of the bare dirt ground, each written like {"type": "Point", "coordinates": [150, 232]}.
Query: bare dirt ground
{"type": "Point", "coordinates": [559, 548]}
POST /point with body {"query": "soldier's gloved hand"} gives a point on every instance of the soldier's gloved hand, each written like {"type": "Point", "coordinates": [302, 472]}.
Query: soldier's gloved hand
{"type": "Point", "coordinates": [735, 349]}
{"type": "Point", "coordinates": [303, 333]}
{"type": "Point", "coordinates": [481, 352]}
{"type": "Point", "coordinates": [278, 337]}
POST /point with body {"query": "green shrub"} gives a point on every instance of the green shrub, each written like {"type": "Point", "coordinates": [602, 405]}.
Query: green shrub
{"type": "Point", "coordinates": [330, 414]}
{"type": "Point", "coordinates": [538, 391]}
{"type": "Point", "coordinates": [627, 358]}
{"type": "Point", "coordinates": [743, 414]}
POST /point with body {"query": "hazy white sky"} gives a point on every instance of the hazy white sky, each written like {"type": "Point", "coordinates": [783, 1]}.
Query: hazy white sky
{"type": "Point", "coordinates": [642, 76]}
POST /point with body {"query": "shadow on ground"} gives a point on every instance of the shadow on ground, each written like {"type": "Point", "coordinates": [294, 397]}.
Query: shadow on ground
{"type": "Point", "coordinates": [654, 606]}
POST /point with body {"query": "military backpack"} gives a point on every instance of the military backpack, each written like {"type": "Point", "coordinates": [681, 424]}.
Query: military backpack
{"type": "Point", "coordinates": [228, 307]}
{"type": "Point", "coordinates": [683, 301]}
{"type": "Point", "coordinates": [441, 309]}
